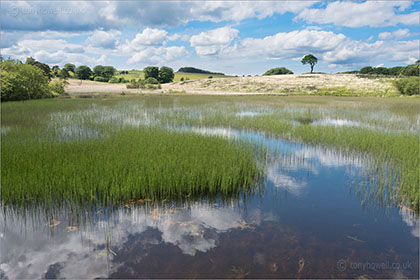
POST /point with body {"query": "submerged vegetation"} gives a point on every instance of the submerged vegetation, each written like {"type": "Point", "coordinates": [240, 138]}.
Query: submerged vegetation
{"type": "Point", "coordinates": [117, 150]}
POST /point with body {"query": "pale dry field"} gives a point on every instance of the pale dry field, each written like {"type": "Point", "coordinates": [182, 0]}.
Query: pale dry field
{"type": "Point", "coordinates": [289, 84]}
{"type": "Point", "coordinates": [87, 87]}
{"type": "Point", "coordinates": [279, 85]}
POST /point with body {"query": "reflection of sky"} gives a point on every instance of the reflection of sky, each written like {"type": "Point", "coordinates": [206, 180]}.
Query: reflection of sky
{"type": "Point", "coordinates": [193, 229]}
{"type": "Point", "coordinates": [411, 220]}
{"type": "Point", "coordinates": [280, 179]}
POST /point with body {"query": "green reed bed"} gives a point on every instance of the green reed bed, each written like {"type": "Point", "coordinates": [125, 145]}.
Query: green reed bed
{"type": "Point", "coordinates": [125, 165]}
{"type": "Point", "coordinates": [385, 130]}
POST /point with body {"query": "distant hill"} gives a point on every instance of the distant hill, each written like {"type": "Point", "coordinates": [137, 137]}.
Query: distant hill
{"type": "Point", "coordinates": [196, 70]}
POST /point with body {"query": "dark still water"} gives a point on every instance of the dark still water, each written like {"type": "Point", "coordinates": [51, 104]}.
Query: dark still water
{"type": "Point", "coordinates": [311, 220]}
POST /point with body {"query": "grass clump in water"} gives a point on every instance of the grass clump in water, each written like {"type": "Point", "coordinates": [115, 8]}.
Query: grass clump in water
{"type": "Point", "coordinates": [126, 165]}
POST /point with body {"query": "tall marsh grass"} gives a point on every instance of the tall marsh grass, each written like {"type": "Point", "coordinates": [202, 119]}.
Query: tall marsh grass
{"type": "Point", "coordinates": [119, 149]}
{"type": "Point", "coordinates": [125, 165]}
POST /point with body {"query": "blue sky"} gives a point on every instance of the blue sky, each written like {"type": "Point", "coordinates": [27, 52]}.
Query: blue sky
{"type": "Point", "coordinates": [225, 36]}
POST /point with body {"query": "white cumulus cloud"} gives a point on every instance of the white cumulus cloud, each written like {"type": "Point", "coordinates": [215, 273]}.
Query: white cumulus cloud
{"type": "Point", "coordinates": [213, 41]}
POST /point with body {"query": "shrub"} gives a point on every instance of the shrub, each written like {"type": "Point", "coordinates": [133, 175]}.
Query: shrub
{"type": "Point", "coordinates": [114, 80]}
{"type": "Point", "coordinates": [100, 79]}
{"type": "Point", "coordinates": [182, 79]}
{"type": "Point", "coordinates": [136, 84]}
{"type": "Point", "coordinates": [210, 77]}
{"type": "Point", "coordinates": [57, 87]}
{"type": "Point", "coordinates": [23, 81]}
{"type": "Point", "coordinates": [408, 86]}
{"type": "Point", "coordinates": [152, 81]}
{"type": "Point", "coordinates": [278, 71]}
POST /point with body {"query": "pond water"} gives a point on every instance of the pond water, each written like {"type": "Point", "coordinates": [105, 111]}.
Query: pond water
{"type": "Point", "coordinates": [309, 221]}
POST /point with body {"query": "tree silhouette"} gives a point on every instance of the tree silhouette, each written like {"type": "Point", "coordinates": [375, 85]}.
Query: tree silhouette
{"type": "Point", "coordinates": [311, 60]}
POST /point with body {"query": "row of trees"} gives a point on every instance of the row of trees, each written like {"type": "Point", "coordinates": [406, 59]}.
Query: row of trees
{"type": "Point", "coordinates": [54, 72]}
{"type": "Point", "coordinates": [410, 70]}
{"type": "Point", "coordinates": [99, 73]}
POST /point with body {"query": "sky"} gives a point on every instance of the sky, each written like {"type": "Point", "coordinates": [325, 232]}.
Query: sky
{"type": "Point", "coordinates": [233, 37]}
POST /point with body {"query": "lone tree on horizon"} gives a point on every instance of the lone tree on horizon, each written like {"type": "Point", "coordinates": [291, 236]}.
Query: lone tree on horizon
{"type": "Point", "coordinates": [310, 59]}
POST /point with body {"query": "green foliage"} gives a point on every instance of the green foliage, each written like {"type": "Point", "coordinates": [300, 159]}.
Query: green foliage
{"type": "Point", "coordinates": [408, 86]}
{"type": "Point", "coordinates": [57, 87]}
{"type": "Point", "coordinates": [100, 79]}
{"type": "Point", "coordinates": [83, 72]}
{"type": "Point", "coordinates": [55, 70]}
{"type": "Point", "coordinates": [23, 81]}
{"type": "Point", "coordinates": [151, 72]}
{"type": "Point", "coordinates": [97, 70]}
{"type": "Point", "coordinates": [44, 67]}
{"type": "Point", "coordinates": [117, 80]}
{"type": "Point", "coordinates": [395, 71]}
{"type": "Point", "coordinates": [311, 60]}
{"type": "Point", "coordinates": [182, 79]}
{"type": "Point", "coordinates": [63, 74]}
{"type": "Point", "coordinates": [152, 81]}
{"type": "Point", "coordinates": [278, 71]}
{"type": "Point", "coordinates": [70, 67]}
{"type": "Point", "coordinates": [30, 60]}
{"type": "Point", "coordinates": [104, 72]}
{"type": "Point", "coordinates": [166, 75]}
{"type": "Point", "coordinates": [411, 70]}
{"type": "Point", "coordinates": [136, 84]}
{"type": "Point", "coordinates": [196, 70]}
{"type": "Point", "coordinates": [114, 80]}
{"type": "Point", "coordinates": [108, 72]}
